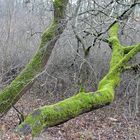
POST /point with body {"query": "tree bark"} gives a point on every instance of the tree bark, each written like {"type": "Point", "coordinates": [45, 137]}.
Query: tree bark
{"type": "Point", "coordinates": [62, 111]}
{"type": "Point", "coordinates": [10, 95]}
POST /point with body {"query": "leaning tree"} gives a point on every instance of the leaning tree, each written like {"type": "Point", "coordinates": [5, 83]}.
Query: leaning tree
{"type": "Point", "coordinates": [83, 101]}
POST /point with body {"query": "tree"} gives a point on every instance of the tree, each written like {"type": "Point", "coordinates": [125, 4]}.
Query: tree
{"type": "Point", "coordinates": [10, 95]}
{"type": "Point", "coordinates": [83, 101]}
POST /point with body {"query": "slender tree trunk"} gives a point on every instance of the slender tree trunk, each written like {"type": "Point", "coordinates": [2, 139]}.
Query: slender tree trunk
{"type": "Point", "coordinates": [10, 95]}
{"type": "Point", "coordinates": [62, 111]}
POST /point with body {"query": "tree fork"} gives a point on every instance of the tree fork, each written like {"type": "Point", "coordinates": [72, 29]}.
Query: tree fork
{"type": "Point", "coordinates": [62, 111]}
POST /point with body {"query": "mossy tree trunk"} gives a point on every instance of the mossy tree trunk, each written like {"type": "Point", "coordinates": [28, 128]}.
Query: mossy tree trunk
{"type": "Point", "coordinates": [10, 95]}
{"type": "Point", "coordinates": [82, 102]}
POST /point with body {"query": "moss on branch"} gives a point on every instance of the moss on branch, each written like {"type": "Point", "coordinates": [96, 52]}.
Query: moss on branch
{"type": "Point", "coordinates": [11, 94]}
{"type": "Point", "coordinates": [127, 49]}
{"type": "Point", "coordinates": [82, 102]}
{"type": "Point", "coordinates": [62, 111]}
{"type": "Point", "coordinates": [60, 6]}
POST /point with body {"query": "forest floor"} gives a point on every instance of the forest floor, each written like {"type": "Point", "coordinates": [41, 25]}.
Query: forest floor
{"type": "Point", "coordinates": [112, 122]}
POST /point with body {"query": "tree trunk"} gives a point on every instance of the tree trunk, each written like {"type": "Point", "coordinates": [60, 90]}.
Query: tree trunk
{"type": "Point", "coordinates": [62, 111]}
{"type": "Point", "coordinates": [10, 95]}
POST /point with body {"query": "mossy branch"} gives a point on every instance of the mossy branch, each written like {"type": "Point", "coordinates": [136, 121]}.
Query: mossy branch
{"type": "Point", "coordinates": [52, 115]}
{"type": "Point", "coordinates": [10, 95]}
{"type": "Point", "coordinates": [127, 49]}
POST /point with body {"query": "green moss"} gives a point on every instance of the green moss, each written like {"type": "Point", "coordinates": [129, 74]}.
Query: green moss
{"type": "Point", "coordinates": [48, 34]}
{"type": "Point", "coordinates": [82, 102]}
{"type": "Point", "coordinates": [58, 3]}
{"type": "Point", "coordinates": [112, 79]}
{"type": "Point", "coordinates": [60, 7]}
{"type": "Point", "coordinates": [10, 95]}
{"type": "Point", "coordinates": [12, 92]}
{"type": "Point", "coordinates": [63, 111]}
{"type": "Point", "coordinates": [118, 61]}
{"type": "Point", "coordinates": [127, 49]}
{"type": "Point", "coordinates": [113, 32]}
{"type": "Point", "coordinates": [34, 123]}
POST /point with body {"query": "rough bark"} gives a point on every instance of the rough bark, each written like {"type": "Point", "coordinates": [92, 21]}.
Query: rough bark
{"type": "Point", "coordinates": [82, 102]}
{"type": "Point", "coordinates": [10, 95]}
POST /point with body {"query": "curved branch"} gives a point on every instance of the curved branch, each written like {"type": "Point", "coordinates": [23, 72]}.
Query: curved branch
{"type": "Point", "coordinates": [82, 102]}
